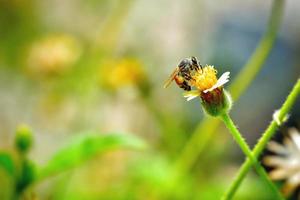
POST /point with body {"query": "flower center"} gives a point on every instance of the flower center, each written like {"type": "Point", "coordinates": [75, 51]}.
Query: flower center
{"type": "Point", "coordinates": [205, 78]}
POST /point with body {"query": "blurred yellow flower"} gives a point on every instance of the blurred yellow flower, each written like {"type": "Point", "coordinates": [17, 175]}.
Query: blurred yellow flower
{"type": "Point", "coordinates": [120, 73]}
{"type": "Point", "coordinates": [52, 55]}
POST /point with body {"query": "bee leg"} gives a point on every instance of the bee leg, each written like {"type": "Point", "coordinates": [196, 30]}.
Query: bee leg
{"type": "Point", "coordinates": [201, 66]}
{"type": "Point", "coordinates": [185, 86]}
{"type": "Point", "coordinates": [187, 76]}
{"type": "Point", "coordinates": [195, 64]}
{"type": "Point", "coordinates": [188, 88]}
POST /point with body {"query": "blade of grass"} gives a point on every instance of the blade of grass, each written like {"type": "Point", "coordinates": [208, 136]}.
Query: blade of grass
{"type": "Point", "coordinates": [111, 30]}
{"type": "Point", "coordinates": [7, 163]}
{"type": "Point", "coordinates": [85, 148]}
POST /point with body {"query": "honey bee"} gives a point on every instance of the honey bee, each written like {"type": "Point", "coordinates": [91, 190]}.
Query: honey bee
{"type": "Point", "coordinates": [183, 73]}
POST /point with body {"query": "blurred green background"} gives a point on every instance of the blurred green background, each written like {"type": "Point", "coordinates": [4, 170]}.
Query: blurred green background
{"type": "Point", "coordinates": [71, 66]}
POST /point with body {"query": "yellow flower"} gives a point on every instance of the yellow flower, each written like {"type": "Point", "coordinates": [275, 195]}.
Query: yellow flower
{"type": "Point", "coordinates": [205, 81]}
{"type": "Point", "coordinates": [206, 78]}
{"type": "Point", "coordinates": [286, 162]}
{"type": "Point", "coordinates": [124, 72]}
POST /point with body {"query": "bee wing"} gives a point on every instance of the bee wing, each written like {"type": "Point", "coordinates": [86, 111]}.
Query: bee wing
{"type": "Point", "coordinates": [171, 78]}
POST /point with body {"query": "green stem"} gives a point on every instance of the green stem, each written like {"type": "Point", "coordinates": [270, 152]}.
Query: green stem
{"type": "Point", "coordinates": [207, 128]}
{"type": "Point", "coordinates": [245, 148]}
{"type": "Point", "coordinates": [286, 107]}
{"type": "Point", "coordinates": [196, 144]}
{"type": "Point", "coordinates": [111, 30]}
{"type": "Point", "coordinates": [167, 125]}
{"type": "Point", "coordinates": [258, 58]}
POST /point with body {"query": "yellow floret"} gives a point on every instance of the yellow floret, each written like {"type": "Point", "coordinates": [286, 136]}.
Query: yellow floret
{"type": "Point", "coordinates": [205, 78]}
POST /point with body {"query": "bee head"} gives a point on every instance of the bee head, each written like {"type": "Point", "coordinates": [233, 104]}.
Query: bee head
{"type": "Point", "coordinates": [194, 60]}
{"type": "Point", "coordinates": [185, 62]}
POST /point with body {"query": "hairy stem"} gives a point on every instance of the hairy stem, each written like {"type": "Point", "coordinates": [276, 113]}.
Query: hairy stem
{"type": "Point", "coordinates": [286, 107]}
{"type": "Point", "coordinates": [247, 151]}
{"type": "Point", "coordinates": [206, 129]}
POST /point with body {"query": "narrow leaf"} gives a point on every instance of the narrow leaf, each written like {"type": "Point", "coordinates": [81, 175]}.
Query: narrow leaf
{"type": "Point", "coordinates": [85, 148]}
{"type": "Point", "coordinates": [7, 163]}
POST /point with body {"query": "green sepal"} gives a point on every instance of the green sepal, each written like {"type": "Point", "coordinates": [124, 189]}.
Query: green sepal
{"type": "Point", "coordinates": [216, 102]}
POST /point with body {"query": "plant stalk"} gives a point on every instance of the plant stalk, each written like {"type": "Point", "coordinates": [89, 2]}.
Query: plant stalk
{"type": "Point", "coordinates": [206, 129]}
{"type": "Point", "coordinates": [259, 147]}
{"type": "Point", "coordinates": [247, 151]}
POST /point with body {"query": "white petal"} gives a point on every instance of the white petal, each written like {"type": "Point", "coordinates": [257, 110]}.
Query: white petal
{"type": "Point", "coordinates": [294, 134]}
{"type": "Point", "coordinates": [280, 173]}
{"type": "Point", "coordinates": [292, 183]}
{"type": "Point", "coordinates": [290, 146]}
{"type": "Point", "coordinates": [277, 148]}
{"type": "Point", "coordinates": [275, 161]}
{"type": "Point", "coordinates": [221, 81]}
{"type": "Point", "coordinates": [295, 179]}
{"type": "Point", "coordinates": [191, 94]}
{"type": "Point", "coordinates": [190, 98]}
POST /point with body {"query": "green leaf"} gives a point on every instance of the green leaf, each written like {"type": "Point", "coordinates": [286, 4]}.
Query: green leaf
{"type": "Point", "coordinates": [7, 163]}
{"type": "Point", "coordinates": [86, 147]}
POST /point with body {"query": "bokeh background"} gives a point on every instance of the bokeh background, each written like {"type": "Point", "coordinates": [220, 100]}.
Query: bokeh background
{"type": "Point", "coordinates": [68, 66]}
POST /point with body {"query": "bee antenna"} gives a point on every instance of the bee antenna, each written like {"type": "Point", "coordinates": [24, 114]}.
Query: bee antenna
{"type": "Point", "coordinates": [196, 63]}
{"type": "Point", "coordinates": [194, 59]}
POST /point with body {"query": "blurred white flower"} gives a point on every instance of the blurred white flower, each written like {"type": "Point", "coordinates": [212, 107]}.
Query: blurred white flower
{"type": "Point", "coordinates": [286, 162]}
{"type": "Point", "coordinates": [53, 54]}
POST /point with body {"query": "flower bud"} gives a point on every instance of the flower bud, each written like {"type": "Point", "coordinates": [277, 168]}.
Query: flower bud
{"type": "Point", "coordinates": [23, 139]}
{"type": "Point", "coordinates": [216, 102]}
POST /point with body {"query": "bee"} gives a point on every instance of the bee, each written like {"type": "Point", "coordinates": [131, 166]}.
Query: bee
{"type": "Point", "coordinates": [183, 73]}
